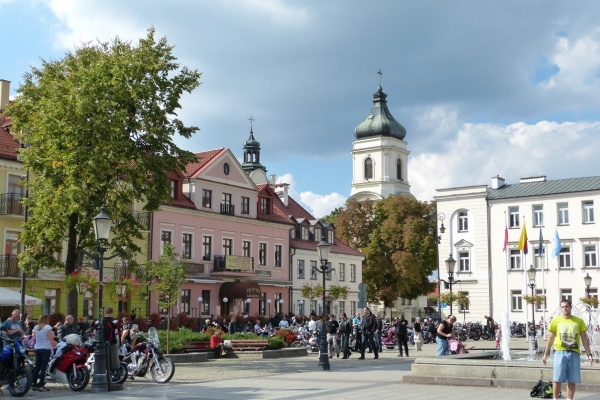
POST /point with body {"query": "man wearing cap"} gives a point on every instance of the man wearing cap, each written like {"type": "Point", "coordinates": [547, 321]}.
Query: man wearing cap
{"type": "Point", "coordinates": [332, 327]}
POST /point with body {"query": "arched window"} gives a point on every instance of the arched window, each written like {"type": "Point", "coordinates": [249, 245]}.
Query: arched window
{"type": "Point", "coordinates": [399, 169]}
{"type": "Point", "coordinates": [368, 168]}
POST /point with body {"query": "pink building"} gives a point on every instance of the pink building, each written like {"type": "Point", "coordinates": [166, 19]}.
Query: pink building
{"type": "Point", "coordinates": [233, 235]}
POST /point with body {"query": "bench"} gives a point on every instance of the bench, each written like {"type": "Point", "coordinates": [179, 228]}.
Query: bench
{"type": "Point", "coordinates": [247, 345]}
{"type": "Point", "coordinates": [196, 346]}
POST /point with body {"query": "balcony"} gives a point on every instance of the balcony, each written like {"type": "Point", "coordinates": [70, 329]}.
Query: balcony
{"type": "Point", "coordinates": [9, 266]}
{"type": "Point", "coordinates": [11, 204]}
{"type": "Point", "coordinates": [142, 218]}
{"type": "Point", "coordinates": [227, 209]}
{"type": "Point", "coordinates": [125, 271]}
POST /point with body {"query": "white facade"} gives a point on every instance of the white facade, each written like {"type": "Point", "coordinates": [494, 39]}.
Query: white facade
{"type": "Point", "coordinates": [389, 157]}
{"type": "Point", "coordinates": [497, 279]}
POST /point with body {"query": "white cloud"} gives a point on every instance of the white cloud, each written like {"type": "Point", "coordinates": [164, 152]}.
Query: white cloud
{"type": "Point", "coordinates": [480, 151]}
{"type": "Point", "coordinates": [438, 120]}
{"type": "Point", "coordinates": [321, 205]}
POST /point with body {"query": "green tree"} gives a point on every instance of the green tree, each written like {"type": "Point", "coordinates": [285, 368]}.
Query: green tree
{"type": "Point", "coordinates": [401, 255]}
{"type": "Point", "coordinates": [99, 124]}
{"type": "Point", "coordinates": [355, 223]}
{"type": "Point", "coordinates": [333, 216]}
{"type": "Point", "coordinates": [166, 276]}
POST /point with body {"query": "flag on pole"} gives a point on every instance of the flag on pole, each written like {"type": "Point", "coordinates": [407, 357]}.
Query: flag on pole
{"type": "Point", "coordinates": [505, 235]}
{"type": "Point", "coordinates": [523, 240]}
{"type": "Point", "coordinates": [557, 246]}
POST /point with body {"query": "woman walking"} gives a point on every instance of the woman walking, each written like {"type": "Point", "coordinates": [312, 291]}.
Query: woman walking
{"type": "Point", "coordinates": [44, 343]}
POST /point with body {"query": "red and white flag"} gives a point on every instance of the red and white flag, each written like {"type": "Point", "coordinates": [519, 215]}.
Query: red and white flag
{"type": "Point", "coordinates": [505, 235]}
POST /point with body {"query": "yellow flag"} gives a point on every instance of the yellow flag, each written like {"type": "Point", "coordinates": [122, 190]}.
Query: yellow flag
{"type": "Point", "coordinates": [523, 240]}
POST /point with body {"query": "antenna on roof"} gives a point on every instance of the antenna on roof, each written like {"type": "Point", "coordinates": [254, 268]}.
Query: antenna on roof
{"type": "Point", "coordinates": [251, 120]}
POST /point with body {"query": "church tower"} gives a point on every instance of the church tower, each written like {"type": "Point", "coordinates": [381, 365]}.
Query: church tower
{"type": "Point", "coordinates": [379, 154]}
{"type": "Point", "coordinates": [252, 154]}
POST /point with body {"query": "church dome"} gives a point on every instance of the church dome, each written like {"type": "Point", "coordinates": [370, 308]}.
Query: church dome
{"type": "Point", "coordinates": [251, 143]}
{"type": "Point", "coordinates": [380, 121]}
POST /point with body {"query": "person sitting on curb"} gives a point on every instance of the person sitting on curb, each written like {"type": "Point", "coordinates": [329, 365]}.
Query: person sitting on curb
{"type": "Point", "coordinates": [216, 343]}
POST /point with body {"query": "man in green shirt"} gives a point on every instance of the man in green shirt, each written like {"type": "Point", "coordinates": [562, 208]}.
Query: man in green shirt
{"type": "Point", "coordinates": [566, 332]}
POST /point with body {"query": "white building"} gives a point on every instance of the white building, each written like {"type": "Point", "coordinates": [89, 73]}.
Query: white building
{"type": "Point", "coordinates": [496, 280]}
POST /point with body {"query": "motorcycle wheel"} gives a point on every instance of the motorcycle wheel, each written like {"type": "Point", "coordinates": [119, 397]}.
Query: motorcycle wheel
{"type": "Point", "coordinates": [485, 336]}
{"type": "Point", "coordinates": [352, 343]}
{"type": "Point", "coordinates": [390, 347]}
{"type": "Point", "coordinates": [119, 376]}
{"type": "Point", "coordinates": [296, 345]}
{"type": "Point", "coordinates": [20, 382]}
{"type": "Point", "coordinates": [168, 367]}
{"type": "Point", "coordinates": [462, 338]}
{"type": "Point", "coordinates": [426, 340]}
{"type": "Point", "coordinates": [475, 337]}
{"type": "Point", "coordinates": [80, 380]}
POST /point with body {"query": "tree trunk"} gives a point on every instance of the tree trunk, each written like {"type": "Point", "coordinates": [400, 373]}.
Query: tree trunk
{"type": "Point", "coordinates": [71, 263]}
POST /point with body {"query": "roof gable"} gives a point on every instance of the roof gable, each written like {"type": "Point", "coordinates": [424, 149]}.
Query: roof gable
{"type": "Point", "coordinates": [212, 167]}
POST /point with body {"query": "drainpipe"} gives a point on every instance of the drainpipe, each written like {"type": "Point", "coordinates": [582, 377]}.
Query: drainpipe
{"type": "Point", "coordinates": [291, 288]}
{"type": "Point", "coordinates": [490, 286]}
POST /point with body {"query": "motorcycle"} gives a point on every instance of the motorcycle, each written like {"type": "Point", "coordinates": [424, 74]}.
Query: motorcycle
{"type": "Point", "coordinates": [147, 356]}
{"type": "Point", "coordinates": [426, 336]}
{"type": "Point", "coordinates": [307, 340]}
{"type": "Point", "coordinates": [12, 367]}
{"type": "Point", "coordinates": [117, 376]}
{"type": "Point", "coordinates": [388, 339]}
{"type": "Point", "coordinates": [69, 364]}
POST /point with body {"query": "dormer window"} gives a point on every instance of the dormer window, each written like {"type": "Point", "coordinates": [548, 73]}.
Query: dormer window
{"type": "Point", "coordinates": [265, 206]}
{"type": "Point", "coordinates": [317, 234]}
{"type": "Point", "coordinates": [173, 189]}
{"type": "Point", "coordinates": [330, 237]}
{"type": "Point", "coordinates": [304, 233]}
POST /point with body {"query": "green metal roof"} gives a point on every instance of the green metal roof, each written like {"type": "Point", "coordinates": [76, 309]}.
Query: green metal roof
{"type": "Point", "coordinates": [571, 185]}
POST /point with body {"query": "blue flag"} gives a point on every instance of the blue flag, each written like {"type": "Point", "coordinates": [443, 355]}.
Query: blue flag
{"type": "Point", "coordinates": [557, 245]}
{"type": "Point", "coordinates": [541, 244]}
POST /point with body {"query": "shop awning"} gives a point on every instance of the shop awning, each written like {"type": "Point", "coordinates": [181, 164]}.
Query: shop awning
{"type": "Point", "coordinates": [240, 290]}
{"type": "Point", "coordinates": [12, 298]}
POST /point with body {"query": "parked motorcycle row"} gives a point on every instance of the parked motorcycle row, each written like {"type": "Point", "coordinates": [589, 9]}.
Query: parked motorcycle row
{"type": "Point", "coordinates": [73, 360]}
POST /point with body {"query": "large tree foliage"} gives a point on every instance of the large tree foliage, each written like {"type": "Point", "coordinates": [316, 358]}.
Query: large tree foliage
{"type": "Point", "coordinates": [100, 124]}
{"type": "Point", "coordinates": [355, 223]}
{"type": "Point", "coordinates": [333, 216]}
{"type": "Point", "coordinates": [400, 255]}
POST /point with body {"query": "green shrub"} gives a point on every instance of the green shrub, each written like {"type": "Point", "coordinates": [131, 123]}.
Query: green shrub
{"type": "Point", "coordinates": [275, 343]}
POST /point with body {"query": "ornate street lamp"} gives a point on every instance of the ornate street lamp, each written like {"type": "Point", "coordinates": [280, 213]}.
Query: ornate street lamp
{"type": "Point", "coordinates": [450, 265]}
{"type": "Point", "coordinates": [323, 249]}
{"type": "Point", "coordinates": [225, 300]}
{"type": "Point", "coordinates": [531, 275]}
{"type": "Point", "coordinates": [588, 282]}
{"type": "Point", "coordinates": [281, 305]}
{"type": "Point", "coordinates": [269, 304]}
{"type": "Point", "coordinates": [200, 300]}
{"type": "Point", "coordinates": [248, 301]}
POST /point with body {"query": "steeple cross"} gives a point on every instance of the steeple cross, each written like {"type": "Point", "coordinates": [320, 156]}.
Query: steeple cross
{"type": "Point", "coordinates": [251, 120]}
{"type": "Point", "coordinates": [380, 73]}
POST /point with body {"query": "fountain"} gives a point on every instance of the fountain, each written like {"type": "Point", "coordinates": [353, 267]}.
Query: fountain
{"type": "Point", "coordinates": [486, 369]}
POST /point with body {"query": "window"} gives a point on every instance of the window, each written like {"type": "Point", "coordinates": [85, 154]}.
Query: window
{"type": "Point", "coordinates": [537, 260]}
{"type": "Point", "coordinates": [399, 169]}
{"type": "Point", "coordinates": [186, 248]}
{"type": "Point", "coordinates": [304, 233]}
{"type": "Point", "coordinates": [226, 206]}
{"type": "Point", "coordinates": [409, 302]}
{"type": "Point", "coordinates": [173, 189]}
{"type": "Point", "coordinates": [301, 307]}
{"type": "Point", "coordinates": [227, 247]}
{"type": "Point", "coordinates": [14, 187]}
{"type": "Point", "coordinates": [318, 234]}
{"type": "Point", "coordinates": [226, 169]}
{"type": "Point", "coordinates": [538, 215]}
{"type": "Point", "coordinates": [588, 212]}
{"type": "Point", "coordinates": [245, 205]}
{"type": "Point", "coordinates": [330, 236]}
{"type": "Point", "coordinates": [262, 254]}
{"type": "Point", "coordinates": [293, 233]}
{"type": "Point", "coordinates": [278, 251]}
{"type": "Point", "coordinates": [206, 198]}
{"type": "Point", "coordinates": [368, 168]}
{"type": "Point", "coordinates": [543, 306]}
{"type": "Point", "coordinates": [226, 198]}
{"type": "Point", "coordinates": [352, 309]}
{"type": "Point", "coordinates": [313, 270]}
{"type": "Point", "coordinates": [342, 272]}
{"type": "Point", "coordinates": [342, 306]}
{"type": "Point", "coordinates": [463, 221]}
{"type": "Point", "coordinates": [247, 248]}
{"type": "Point", "coordinates": [402, 301]}
{"type": "Point", "coordinates": [313, 305]}
{"type": "Point", "coordinates": [205, 302]}
{"type": "Point", "coordinates": [328, 274]}
{"type": "Point", "coordinates": [184, 302]}
{"type": "Point", "coordinates": [300, 269]}
{"type": "Point", "coordinates": [566, 294]}
{"type": "Point", "coordinates": [464, 262]}
{"type": "Point", "coordinates": [278, 305]}
{"type": "Point", "coordinates": [464, 308]}
{"type": "Point", "coordinates": [207, 248]}
{"type": "Point", "coordinates": [563, 213]}
{"type": "Point", "coordinates": [352, 273]}
{"type": "Point", "coordinates": [564, 257]}
{"type": "Point", "coordinates": [590, 257]}
{"type": "Point", "coordinates": [517, 300]}
{"type": "Point", "coordinates": [165, 237]}
{"type": "Point", "coordinates": [264, 206]}
{"type": "Point", "coordinates": [513, 213]}
{"type": "Point", "coordinates": [515, 259]}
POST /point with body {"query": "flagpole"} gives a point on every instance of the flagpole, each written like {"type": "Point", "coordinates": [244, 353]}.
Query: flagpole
{"type": "Point", "coordinates": [524, 251]}
{"type": "Point", "coordinates": [544, 291]}
{"type": "Point", "coordinates": [507, 267]}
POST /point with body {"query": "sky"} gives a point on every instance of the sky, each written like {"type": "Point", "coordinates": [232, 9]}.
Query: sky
{"type": "Point", "coordinates": [509, 88]}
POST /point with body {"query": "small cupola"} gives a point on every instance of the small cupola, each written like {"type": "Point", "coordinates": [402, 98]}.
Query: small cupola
{"type": "Point", "coordinates": [380, 121]}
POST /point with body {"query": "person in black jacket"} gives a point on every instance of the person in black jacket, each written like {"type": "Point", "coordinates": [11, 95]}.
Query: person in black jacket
{"type": "Point", "coordinates": [345, 330]}
{"type": "Point", "coordinates": [401, 327]}
{"type": "Point", "coordinates": [369, 329]}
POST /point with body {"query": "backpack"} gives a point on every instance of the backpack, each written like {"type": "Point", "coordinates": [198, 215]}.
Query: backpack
{"type": "Point", "coordinates": [542, 390]}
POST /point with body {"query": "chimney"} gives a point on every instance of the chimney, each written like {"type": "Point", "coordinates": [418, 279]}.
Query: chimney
{"type": "Point", "coordinates": [272, 182]}
{"type": "Point", "coordinates": [4, 93]}
{"type": "Point", "coordinates": [497, 182]}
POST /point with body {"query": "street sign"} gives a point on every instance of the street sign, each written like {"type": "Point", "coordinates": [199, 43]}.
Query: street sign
{"type": "Point", "coordinates": [444, 305]}
{"type": "Point", "coordinates": [362, 287]}
{"type": "Point", "coordinates": [362, 303]}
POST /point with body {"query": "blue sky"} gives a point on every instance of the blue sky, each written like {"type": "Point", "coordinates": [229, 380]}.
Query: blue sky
{"type": "Point", "coordinates": [483, 88]}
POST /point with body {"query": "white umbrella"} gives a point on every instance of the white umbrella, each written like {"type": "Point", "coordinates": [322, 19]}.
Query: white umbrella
{"type": "Point", "coordinates": [11, 298]}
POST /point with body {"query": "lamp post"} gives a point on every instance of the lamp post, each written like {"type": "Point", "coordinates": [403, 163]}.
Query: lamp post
{"type": "Point", "coordinates": [225, 300]}
{"type": "Point", "coordinates": [450, 264]}
{"type": "Point", "coordinates": [588, 282]}
{"type": "Point", "coordinates": [438, 238]}
{"type": "Point", "coordinates": [102, 224]}
{"type": "Point", "coordinates": [281, 306]}
{"type": "Point", "coordinates": [23, 275]}
{"type": "Point", "coordinates": [248, 301]}
{"type": "Point", "coordinates": [531, 275]}
{"type": "Point", "coordinates": [323, 249]}
{"type": "Point", "coordinates": [269, 304]}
